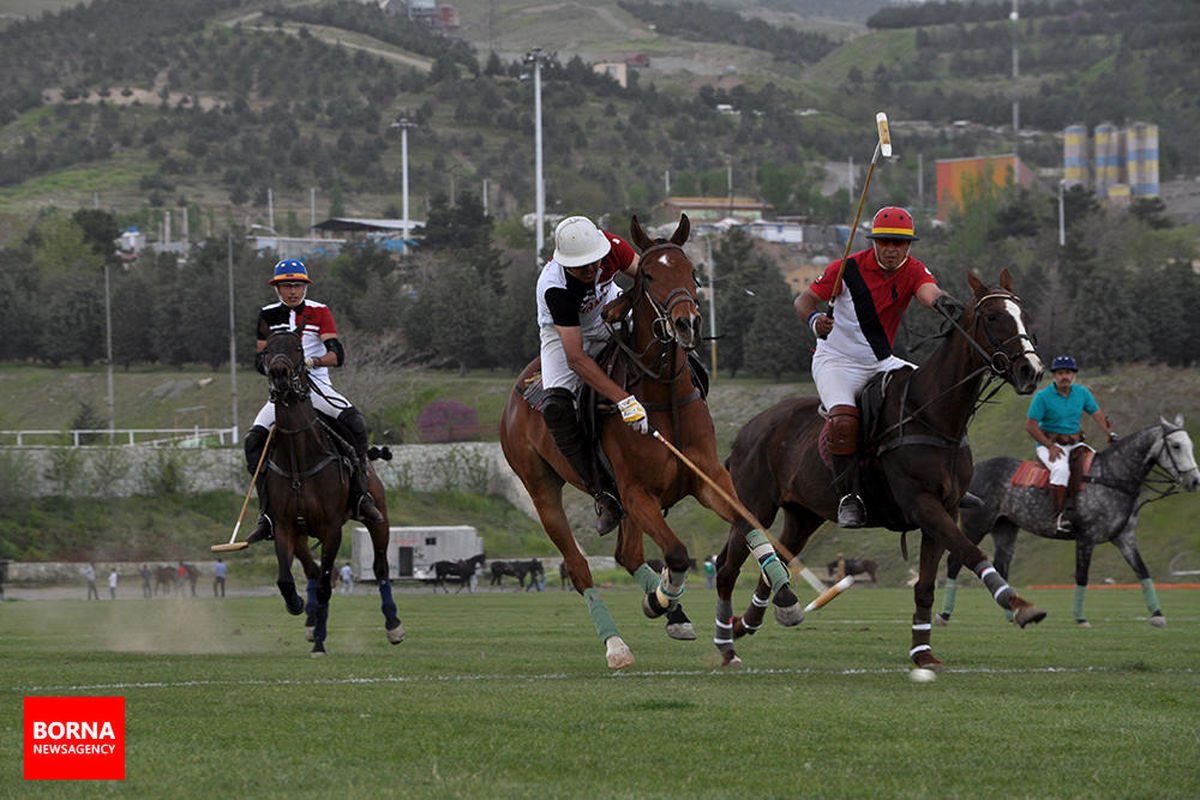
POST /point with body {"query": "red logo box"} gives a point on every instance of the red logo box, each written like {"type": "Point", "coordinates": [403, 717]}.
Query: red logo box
{"type": "Point", "coordinates": [75, 738]}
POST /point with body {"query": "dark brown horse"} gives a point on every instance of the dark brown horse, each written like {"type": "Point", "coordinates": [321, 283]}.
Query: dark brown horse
{"type": "Point", "coordinates": [665, 326]}
{"type": "Point", "coordinates": [917, 466]}
{"type": "Point", "coordinates": [459, 571]}
{"type": "Point", "coordinates": [308, 482]}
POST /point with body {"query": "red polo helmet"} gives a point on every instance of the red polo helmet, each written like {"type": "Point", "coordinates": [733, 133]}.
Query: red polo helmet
{"type": "Point", "coordinates": [892, 222]}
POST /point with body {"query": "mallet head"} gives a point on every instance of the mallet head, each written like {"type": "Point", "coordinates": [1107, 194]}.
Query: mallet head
{"type": "Point", "coordinates": [885, 138]}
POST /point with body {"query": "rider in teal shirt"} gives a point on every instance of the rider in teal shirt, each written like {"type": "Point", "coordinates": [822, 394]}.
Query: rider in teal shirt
{"type": "Point", "coordinates": [1053, 422]}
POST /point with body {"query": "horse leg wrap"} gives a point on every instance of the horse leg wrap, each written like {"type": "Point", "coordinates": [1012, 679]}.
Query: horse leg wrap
{"type": "Point", "coordinates": [768, 561]}
{"type": "Point", "coordinates": [1077, 602]}
{"type": "Point", "coordinates": [723, 635]}
{"type": "Point", "coordinates": [948, 600]}
{"type": "Point", "coordinates": [1002, 593]}
{"type": "Point", "coordinates": [646, 578]}
{"type": "Point", "coordinates": [670, 587]}
{"type": "Point", "coordinates": [606, 627]}
{"type": "Point", "coordinates": [921, 629]}
{"type": "Point", "coordinates": [759, 604]}
{"type": "Point", "coordinates": [1150, 596]}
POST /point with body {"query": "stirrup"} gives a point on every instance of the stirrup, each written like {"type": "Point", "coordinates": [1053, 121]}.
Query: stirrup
{"type": "Point", "coordinates": [264, 531]}
{"type": "Point", "coordinates": [609, 512]}
{"type": "Point", "coordinates": [850, 512]}
{"type": "Point", "coordinates": [1062, 524]}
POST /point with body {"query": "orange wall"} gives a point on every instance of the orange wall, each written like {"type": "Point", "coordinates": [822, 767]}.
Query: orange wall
{"type": "Point", "coordinates": [960, 178]}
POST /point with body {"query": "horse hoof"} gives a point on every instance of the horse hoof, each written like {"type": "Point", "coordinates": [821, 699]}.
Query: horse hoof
{"type": "Point", "coordinates": [1158, 620]}
{"type": "Point", "coordinates": [926, 660]}
{"type": "Point", "coordinates": [651, 607]}
{"type": "Point", "coordinates": [1082, 623]}
{"type": "Point", "coordinates": [296, 607]}
{"type": "Point", "coordinates": [317, 654]}
{"type": "Point", "coordinates": [308, 633]}
{"type": "Point", "coordinates": [941, 620]}
{"type": "Point", "coordinates": [397, 634]}
{"type": "Point", "coordinates": [1028, 614]}
{"type": "Point", "coordinates": [618, 654]}
{"type": "Point", "coordinates": [730, 659]}
{"type": "Point", "coordinates": [789, 616]}
{"type": "Point", "coordinates": [683, 631]}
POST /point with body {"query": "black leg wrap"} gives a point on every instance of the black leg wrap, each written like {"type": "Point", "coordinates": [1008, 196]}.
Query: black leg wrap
{"type": "Point", "coordinates": [1001, 592]}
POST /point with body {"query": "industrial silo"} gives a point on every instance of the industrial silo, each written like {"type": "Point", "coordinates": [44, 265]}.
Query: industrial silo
{"type": "Point", "coordinates": [1108, 157]}
{"type": "Point", "coordinates": [1141, 159]}
{"type": "Point", "coordinates": [1075, 158]}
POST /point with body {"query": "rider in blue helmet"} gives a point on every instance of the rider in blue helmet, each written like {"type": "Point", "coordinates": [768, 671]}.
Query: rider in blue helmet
{"type": "Point", "coordinates": [1053, 422]}
{"type": "Point", "coordinates": [322, 350]}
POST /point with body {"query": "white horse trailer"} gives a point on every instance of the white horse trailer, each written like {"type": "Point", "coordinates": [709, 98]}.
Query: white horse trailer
{"type": "Point", "coordinates": [412, 551]}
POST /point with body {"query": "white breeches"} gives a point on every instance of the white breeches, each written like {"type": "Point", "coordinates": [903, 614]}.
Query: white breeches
{"type": "Point", "coordinates": [324, 398]}
{"type": "Point", "coordinates": [840, 379]}
{"type": "Point", "coordinates": [555, 370]}
{"type": "Point", "coordinates": [1060, 468]}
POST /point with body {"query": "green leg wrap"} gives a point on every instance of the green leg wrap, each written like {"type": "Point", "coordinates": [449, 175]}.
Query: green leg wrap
{"type": "Point", "coordinates": [948, 599]}
{"type": "Point", "coordinates": [1077, 602]}
{"type": "Point", "coordinates": [605, 626]}
{"type": "Point", "coordinates": [1150, 596]}
{"type": "Point", "coordinates": [646, 578]}
{"type": "Point", "coordinates": [768, 561]}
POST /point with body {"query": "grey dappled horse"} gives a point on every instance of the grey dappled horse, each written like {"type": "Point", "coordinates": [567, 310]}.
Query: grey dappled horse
{"type": "Point", "coordinates": [1106, 511]}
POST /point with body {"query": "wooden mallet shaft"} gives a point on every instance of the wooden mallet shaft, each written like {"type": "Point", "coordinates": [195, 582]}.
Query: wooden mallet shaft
{"type": "Point", "coordinates": [233, 543]}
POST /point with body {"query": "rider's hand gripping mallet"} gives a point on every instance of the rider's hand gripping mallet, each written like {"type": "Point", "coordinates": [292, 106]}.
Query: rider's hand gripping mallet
{"type": "Point", "coordinates": [883, 147]}
{"type": "Point", "coordinates": [233, 543]}
{"type": "Point", "coordinates": [826, 594]}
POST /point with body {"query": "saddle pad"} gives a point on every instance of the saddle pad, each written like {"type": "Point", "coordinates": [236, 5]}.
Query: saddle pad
{"type": "Point", "coordinates": [1031, 474]}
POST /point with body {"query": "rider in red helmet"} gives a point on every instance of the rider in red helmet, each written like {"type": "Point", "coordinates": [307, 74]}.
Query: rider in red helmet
{"type": "Point", "coordinates": [322, 350]}
{"type": "Point", "coordinates": [854, 342]}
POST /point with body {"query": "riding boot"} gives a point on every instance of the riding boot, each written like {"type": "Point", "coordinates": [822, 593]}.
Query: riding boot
{"type": "Point", "coordinates": [362, 504]}
{"type": "Point", "coordinates": [558, 411]}
{"type": "Point", "coordinates": [850, 511]}
{"type": "Point", "coordinates": [256, 439]}
{"type": "Point", "coordinates": [1058, 497]}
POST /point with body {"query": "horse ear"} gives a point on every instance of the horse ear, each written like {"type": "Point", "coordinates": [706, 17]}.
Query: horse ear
{"type": "Point", "coordinates": [1179, 420]}
{"type": "Point", "coordinates": [681, 233]}
{"type": "Point", "coordinates": [1005, 280]}
{"type": "Point", "coordinates": [1177, 424]}
{"type": "Point", "coordinates": [639, 237]}
{"type": "Point", "coordinates": [976, 285]}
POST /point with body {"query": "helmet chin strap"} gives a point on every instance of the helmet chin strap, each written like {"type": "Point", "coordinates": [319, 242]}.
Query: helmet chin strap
{"type": "Point", "coordinates": [304, 296]}
{"type": "Point", "coordinates": [875, 246]}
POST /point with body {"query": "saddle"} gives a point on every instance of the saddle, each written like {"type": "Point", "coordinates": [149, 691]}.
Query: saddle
{"type": "Point", "coordinates": [1035, 475]}
{"type": "Point", "coordinates": [870, 408]}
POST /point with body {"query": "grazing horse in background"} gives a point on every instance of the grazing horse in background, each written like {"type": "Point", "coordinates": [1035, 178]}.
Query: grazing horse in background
{"type": "Point", "coordinates": [916, 469]}
{"type": "Point", "coordinates": [460, 570]}
{"type": "Point", "coordinates": [499, 570]}
{"type": "Point", "coordinates": [517, 569]}
{"type": "Point", "coordinates": [854, 566]}
{"type": "Point", "coordinates": [1106, 510]}
{"type": "Point", "coordinates": [653, 365]}
{"type": "Point", "coordinates": [308, 473]}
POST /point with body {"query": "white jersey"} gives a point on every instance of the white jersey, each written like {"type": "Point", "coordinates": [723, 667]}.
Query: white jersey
{"type": "Point", "coordinates": [605, 290]}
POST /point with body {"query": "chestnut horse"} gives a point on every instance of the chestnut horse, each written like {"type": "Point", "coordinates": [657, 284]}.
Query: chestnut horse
{"type": "Point", "coordinates": [917, 466]}
{"type": "Point", "coordinates": [308, 482]}
{"type": "Point", "coordinates": [653, 365]}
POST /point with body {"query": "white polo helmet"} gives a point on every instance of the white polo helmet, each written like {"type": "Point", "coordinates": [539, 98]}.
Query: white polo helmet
{"type": "Point", "coordinates": [578, 242]}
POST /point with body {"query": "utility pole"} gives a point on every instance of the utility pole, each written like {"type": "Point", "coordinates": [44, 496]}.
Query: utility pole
{"type": "Point", "coordinates": [537, 58]}
{"type": "Point", "coordinates": [233, 392]}
{"type": "Point", "coordinates": [1016, 103]}
{"type": "Point", "coordinates": [403, 124]}
{"type": "Point", "coordinates": [712, 303]}
{"type": "Point", "coordinates": [112, 406]}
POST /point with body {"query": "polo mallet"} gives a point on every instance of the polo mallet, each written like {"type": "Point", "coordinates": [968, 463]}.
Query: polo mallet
{"type": "Point", "coordinates": [825, 594]}
{"type": "Point", "coordinates": [883, 147]}
{"type": "Point", "coordinates": [233, 543]}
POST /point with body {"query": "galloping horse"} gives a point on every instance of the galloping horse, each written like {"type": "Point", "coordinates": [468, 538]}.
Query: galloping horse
{"type": "Point", "coordinates": [653, 365]}
{"type": "Point", "coordinates": [308, 482]}
{"type": "Point", "coordinates": [1106, 511]}
{"type": "Point", "coordinates": [919, 466]}
{"type": "Point", "coordinates": [460, 570]}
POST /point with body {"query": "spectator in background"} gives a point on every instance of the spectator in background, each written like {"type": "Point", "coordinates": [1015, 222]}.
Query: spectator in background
{"type": "Point", "coordinates": [112, 584]}
{"type": "Point", "coordinates": [146, 589]}
{"type": "Point", "coordinates": [347, 576]}
{"type": "Point", "coordinates": [219, 570]}
{"type": "Point", "coordinates": [89, 574]}
{"type": "Point", "coordinates": [710, 572]}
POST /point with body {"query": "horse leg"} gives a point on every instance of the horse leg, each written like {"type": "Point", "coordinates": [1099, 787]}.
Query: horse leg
{"type": "Point", "coordinates": [1126, 542]}
{"type": "Point", "coordinates": [331, 543]}
{"type": "Point", "coordinates": [632, 557]}
{"type": "Point", "coordinates": [285, 582]}
{"type": "Point", "coordinates": [1083, 565]}
{"type": "Point", "coordinates": [1004, 536]}
{"type": "Point", "coordinates": [774, 570]}
{"type": "Point", "coordinates": [921, 653]}
{"type": "Point", "coordinates": [799, 524]}
{"type": "Point", "coordinates": [644, 514]}
{"type": "Point", "coordinates": [729, 565]}
{"type": "Point", "coordinates": [379, 565]}
{"type": "Point", "coordinates": [310, 610]}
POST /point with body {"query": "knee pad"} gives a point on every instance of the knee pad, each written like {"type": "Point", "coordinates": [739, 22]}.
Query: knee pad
{"type": "Point", "coordinates": [843, 430]}
{"type": "Point", "coordinates": [356, 423]}
{"type": "Point", "coordinates": [558, 409]}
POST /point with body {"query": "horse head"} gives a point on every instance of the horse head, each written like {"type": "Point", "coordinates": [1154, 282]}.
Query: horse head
{"type": "Point", "coordinates": [667, 280]}
{"type": "Point", "coordinates": [1176, 454]}
{"type": "Point", "coordinates": [1000, 332]}
{"type": "Point", "coordinates": [287, 376]}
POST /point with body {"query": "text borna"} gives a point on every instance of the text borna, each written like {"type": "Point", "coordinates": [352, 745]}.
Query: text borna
{"type": "Point", "coordinates": [73, 730]}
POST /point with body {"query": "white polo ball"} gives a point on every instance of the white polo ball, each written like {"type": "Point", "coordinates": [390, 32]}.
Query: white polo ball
{"type": "Point", "coordinates": [922, 675]}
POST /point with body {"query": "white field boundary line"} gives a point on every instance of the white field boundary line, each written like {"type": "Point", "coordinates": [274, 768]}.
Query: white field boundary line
{"type": "Point", "coordinates": [555, 676]}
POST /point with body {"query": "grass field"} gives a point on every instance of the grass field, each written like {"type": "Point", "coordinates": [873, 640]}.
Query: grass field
{"type": "Point", "coordinates": [506, 695]}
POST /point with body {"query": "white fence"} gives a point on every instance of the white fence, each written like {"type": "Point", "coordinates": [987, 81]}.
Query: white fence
{"type": "Point", "coordinates": [150, 437]}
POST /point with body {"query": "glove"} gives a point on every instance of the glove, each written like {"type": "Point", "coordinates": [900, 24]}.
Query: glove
{"type": "Point", "coordinates": [260, 362]}
{"type": "Point", "coordinates": [946, 305]}
{"type": "Point", "coordinates": [633, 414]}
{"type": "Point", "coordinates": [1112, 436]}
{"type": "Point", "coordinates": [309, 363]}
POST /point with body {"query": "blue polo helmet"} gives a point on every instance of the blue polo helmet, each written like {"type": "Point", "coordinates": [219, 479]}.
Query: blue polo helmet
{"type": "Point", "coordinates": [290, 269]}
{"type": "Point", "coordinates": [1063, 362]}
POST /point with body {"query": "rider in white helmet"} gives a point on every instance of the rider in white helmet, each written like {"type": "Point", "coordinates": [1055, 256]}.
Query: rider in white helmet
{"type": "Point", "coordinates": [572, 289]}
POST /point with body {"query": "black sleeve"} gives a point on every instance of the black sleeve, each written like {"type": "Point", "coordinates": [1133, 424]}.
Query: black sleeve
{"type": "Point", "coordinates": [260, 361]}
{"type": "Point", "coordinates": [563, 308]}
{"type": "Point", "coordinates": [332, 345]}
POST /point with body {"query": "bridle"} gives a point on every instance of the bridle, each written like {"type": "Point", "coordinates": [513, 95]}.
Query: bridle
{"type": "Point", "coordinates": [293, 390]}
{"type": "Point", "coordinates": [662, 326]}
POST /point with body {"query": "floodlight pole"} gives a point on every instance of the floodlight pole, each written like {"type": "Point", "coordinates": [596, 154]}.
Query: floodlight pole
{"type": "Point", "coordinates": [403, 124]}
{"type": "Point", "coordinates": [112, 406]}
{"type": "Point", "coordinates": [233, 392]}
{"type": "Point", "coordinates": [1062, 216]}
{"type": "Point", "coordinates": [536, 57]}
